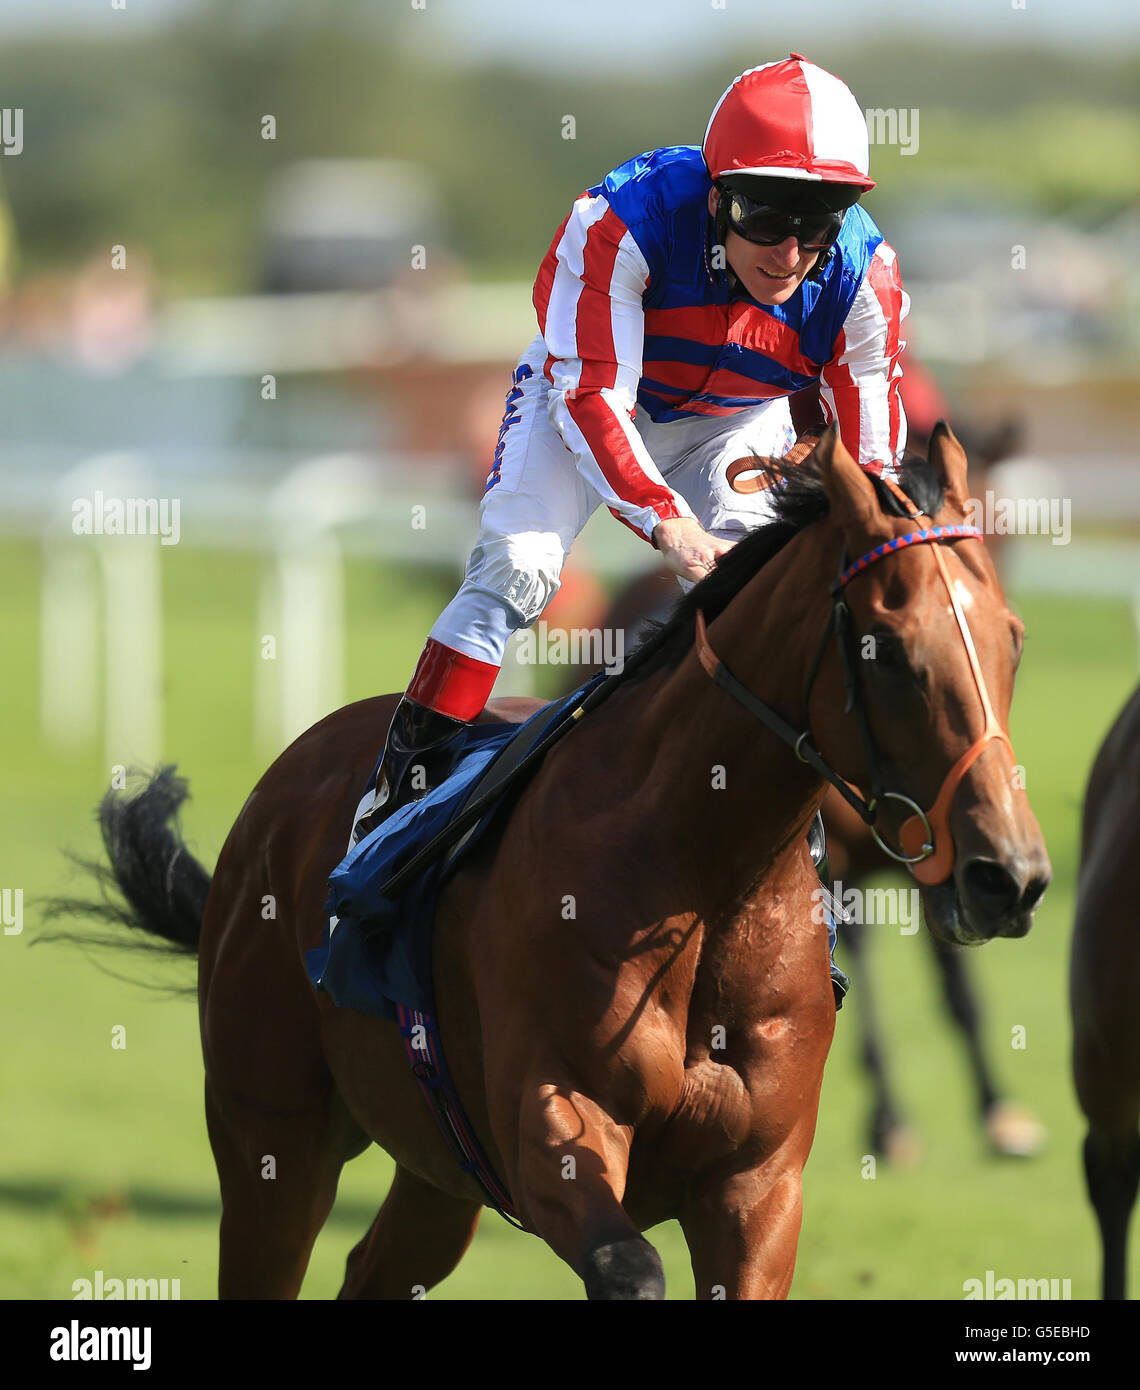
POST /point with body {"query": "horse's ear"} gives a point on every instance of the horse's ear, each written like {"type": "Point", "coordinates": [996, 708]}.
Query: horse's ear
{"type": "Point", "coordinates": [949, 460]}
{"type": "Point", "coordinates": [854, 504]}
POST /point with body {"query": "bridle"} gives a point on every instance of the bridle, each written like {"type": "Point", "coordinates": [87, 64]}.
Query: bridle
{"type": "Point", "coordinates": [924, 837]}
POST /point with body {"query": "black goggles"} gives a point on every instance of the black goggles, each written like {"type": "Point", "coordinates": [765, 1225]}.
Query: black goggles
{"type": "Point", "coordinates": [768, 226]}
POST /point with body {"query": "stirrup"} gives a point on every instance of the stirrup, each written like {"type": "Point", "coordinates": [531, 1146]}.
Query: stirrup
{"type": "Point", "coordinates": [368, 819]}
{"type": "Point", "coordinates": [817, 844]}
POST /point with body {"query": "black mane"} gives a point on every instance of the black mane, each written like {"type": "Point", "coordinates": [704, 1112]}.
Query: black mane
{"type": "Point", "coordinates": [798, 499]}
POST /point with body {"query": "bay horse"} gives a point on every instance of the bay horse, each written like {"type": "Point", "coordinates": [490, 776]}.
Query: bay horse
{"type": "Point", "coordinates": [631, 987]}
{"type": "Point", "coordinates": [1104, 976]}
{"type": "Point", "coordinates": [853, 855]}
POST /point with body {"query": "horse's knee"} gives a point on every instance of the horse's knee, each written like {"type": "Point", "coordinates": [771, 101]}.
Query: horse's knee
{"type": "Point", "coordinates": [624, 1269]}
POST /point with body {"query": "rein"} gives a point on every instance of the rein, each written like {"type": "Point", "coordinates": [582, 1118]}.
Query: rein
{"type": "Point", "coordinates": [924, 837]}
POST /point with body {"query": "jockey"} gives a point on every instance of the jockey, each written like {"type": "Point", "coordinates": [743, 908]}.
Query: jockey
{"type": "Point", "coordinates": [683, 301]}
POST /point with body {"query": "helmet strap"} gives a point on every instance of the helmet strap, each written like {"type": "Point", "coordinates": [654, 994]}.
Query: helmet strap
{"type": "Point", "coordinates": [720, 234]}
{"type": "Point", "coordinates": [816, 272]}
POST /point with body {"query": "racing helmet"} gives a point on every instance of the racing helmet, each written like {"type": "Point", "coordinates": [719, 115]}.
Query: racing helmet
{"type": "Point", "coordinates": [789, 120]}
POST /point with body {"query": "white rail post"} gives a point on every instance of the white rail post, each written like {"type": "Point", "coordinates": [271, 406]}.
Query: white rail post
{"type": "Point", "coordinates": [302, 597]}
{"type": "Point", "coordinates": [86, 547]}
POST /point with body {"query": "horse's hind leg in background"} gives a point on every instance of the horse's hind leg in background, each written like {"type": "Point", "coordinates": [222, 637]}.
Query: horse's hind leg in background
{"type": "Point", "coordinates": [962, 1004]}
{"type": "Point", "coordinates": [418, 1237]}
{"type": "Point", "coordinates": [1010, 1128]}
{"type": "Point", "coordinates": [888, 1134]}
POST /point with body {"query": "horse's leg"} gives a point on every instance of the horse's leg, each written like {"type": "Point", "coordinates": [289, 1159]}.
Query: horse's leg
{"type": "Point", "coordinates": [1112, 1172]}
{"type": "Point", "coordinates": [1010, 1128]}
{"type": "Point", "coordinates": [278, 1172]}
{"type": "Point", "coordinates": [418, 1237]}
{"type": "Point", "coordinates": [278, 1127]}
{"type": "Point", "coordinates": [888, 1131]}
{"type": "Point", "coordinates": [569, 1183]}
{"type": "Point", "coordinates": [1104, 969]}
{"type": "Point", "coordinates": [1108, 1088]}
{"type": "Point", "coordinates": [964, 1008]}
{"type": "Point", "coordinates": [742, 1228]}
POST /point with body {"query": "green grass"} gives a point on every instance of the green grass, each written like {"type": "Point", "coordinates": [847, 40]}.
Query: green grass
{"type": "Point", "coordinates": [104, 1161]}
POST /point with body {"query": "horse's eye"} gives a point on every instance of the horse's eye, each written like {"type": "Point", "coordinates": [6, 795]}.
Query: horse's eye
{"type": "Point", "coordinates": [887, 656]}
{"type": "Point", "coordinates": [887, 651]}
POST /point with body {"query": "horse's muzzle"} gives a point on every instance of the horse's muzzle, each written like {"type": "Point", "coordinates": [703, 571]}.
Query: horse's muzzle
{"type": "Point", "coordinates": [988, 897]}
{"type": "Point", "coordinates": [1000, 896]}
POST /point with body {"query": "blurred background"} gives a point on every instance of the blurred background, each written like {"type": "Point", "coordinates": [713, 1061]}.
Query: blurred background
{"type": "Point", "coordinates": [273, 265]}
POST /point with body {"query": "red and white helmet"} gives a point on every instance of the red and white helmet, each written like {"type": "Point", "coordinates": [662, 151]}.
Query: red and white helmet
{"type": "Point", "coordinates": [788, 120]}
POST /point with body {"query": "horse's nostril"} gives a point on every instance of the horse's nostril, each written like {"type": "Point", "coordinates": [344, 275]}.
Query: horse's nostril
{"type": "Point", "coordinates": [992, 887]}
{"type": "Point", "coordinates": [1034, 891]}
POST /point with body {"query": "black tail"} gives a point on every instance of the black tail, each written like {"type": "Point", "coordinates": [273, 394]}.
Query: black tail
{"type": "Point", "coordinates": [153, 885]}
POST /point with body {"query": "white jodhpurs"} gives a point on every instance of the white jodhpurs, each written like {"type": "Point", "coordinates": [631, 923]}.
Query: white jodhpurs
{"type": "Point", "coordinates": [536, 502]}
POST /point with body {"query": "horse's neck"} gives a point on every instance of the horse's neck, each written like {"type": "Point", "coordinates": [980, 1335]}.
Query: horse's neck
{"type": "Point", "coordinates": [729, 795]}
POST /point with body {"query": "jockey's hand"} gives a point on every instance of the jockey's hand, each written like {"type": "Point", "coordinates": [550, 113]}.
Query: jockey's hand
{"type": "Point", "coordinates": [687, 548]}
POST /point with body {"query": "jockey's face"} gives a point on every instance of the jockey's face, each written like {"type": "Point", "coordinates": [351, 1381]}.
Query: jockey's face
{"type": "Point", "coordinates": [770, 274]}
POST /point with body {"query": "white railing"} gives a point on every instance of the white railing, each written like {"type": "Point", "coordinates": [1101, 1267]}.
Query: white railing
{"type": "Point", "coordinates": [100, 672]}
{"type": "Point", "coordinates": [101, 595]}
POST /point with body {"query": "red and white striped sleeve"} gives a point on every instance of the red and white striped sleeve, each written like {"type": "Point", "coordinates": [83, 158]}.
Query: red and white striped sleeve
{"type": "Point", "coordinates": [859, 387]}
{"type": "Point", "coordinates": [588, 296]}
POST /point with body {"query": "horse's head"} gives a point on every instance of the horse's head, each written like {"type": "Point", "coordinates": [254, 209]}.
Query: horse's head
{"type": "Point", "coordinates": [933, 648]}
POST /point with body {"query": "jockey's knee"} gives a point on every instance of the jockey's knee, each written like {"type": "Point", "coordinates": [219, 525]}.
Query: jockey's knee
{"type": "Point", "coordinates": [507, 586]}
{"type": "Point", "coordinates": [524, 576]}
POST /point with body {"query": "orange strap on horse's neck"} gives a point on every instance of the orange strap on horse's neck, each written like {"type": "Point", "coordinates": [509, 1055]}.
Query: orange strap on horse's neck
{"type": "Point", "coordinates": [936, 868]}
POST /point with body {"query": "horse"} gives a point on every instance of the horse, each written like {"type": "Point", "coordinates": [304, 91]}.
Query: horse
{"type": "Point", "coordinates": [632, 978]}
{"type": "Point", "coordinates": [853, 856]}
{"type": "Point", "coordinates": [1104, 973]}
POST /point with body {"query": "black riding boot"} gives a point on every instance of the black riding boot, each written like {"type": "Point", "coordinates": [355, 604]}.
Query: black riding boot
{"type": "Point", "coordinates": [420, 751]}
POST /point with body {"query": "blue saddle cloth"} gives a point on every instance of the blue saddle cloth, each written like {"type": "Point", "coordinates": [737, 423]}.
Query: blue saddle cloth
{"type": "Point", "coordinates": [375, 951]}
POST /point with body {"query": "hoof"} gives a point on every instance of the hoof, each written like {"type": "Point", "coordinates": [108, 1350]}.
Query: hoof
{"type": "Point", "coordinates": [624, 1270]}
{"type": "Point", "coordinates": [902, 1146]}
{"type": "Point", "coordinates": [1014, 1131]}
